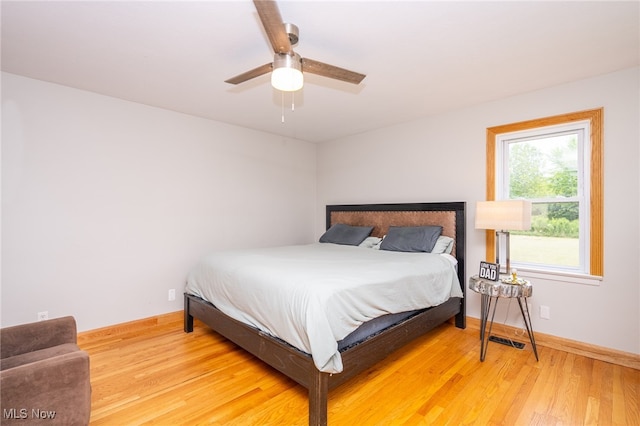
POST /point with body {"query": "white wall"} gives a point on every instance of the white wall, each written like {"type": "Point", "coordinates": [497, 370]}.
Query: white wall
{"type": "Point", "coordinates": [442, 158]}
{"type": "Point", "coordinates": [106, 204]}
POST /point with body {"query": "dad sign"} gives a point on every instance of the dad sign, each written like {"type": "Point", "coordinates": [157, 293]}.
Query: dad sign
{"type": "Point", "coordinates": [489, 271]}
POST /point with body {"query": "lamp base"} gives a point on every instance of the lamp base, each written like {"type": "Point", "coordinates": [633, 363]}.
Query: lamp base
{"type": "Point", "coordinates": [507, 342]}
{"type": "Point", "coordinates": [507, 236]}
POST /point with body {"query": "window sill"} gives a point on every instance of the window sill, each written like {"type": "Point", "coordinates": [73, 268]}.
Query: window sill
{"type": "Point", "coordinates": [564, 277]}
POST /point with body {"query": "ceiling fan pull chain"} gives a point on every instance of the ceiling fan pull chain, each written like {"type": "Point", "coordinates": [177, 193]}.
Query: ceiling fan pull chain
{"type": "Point", "coordinates": [293, 103]}
{"type": "Point", "coordinates": [282, 105]}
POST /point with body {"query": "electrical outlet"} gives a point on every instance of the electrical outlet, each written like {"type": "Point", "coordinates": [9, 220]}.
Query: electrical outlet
{"type": "Point", "coordinates": [545, 312]}
{"type": "Point", "coordinates": [172, 294]}
{"type": "Point", "coordinates": [44, 315]}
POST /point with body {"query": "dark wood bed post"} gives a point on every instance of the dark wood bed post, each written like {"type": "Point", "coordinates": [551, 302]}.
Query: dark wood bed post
{"type": "Point", "coordinates": [461, 238]}
{"type": "Point", "coordinates": [188, 318]}
{"type": "Point", "coordinates": [318, 397]}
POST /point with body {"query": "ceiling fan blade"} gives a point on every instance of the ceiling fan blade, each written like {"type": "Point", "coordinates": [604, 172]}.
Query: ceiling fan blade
{"type": "Point", "coordinates": [273, 25]}
{"type": "Point", "coordinates": [326, 70]}
{"type": "Point", "coordinates": [256, 72]}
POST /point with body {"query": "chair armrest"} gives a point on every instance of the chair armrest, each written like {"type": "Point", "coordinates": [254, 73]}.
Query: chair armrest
{"type": "Point", "coordinates": [34, 336]}
{"type": "Point", "coordinates": [59, 386]}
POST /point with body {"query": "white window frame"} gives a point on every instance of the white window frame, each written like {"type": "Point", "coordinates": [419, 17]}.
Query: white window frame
{"type": "Point", "coordinates": [583, 131]}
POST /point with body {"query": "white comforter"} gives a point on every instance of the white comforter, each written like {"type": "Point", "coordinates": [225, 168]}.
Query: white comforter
{"type": "Point", "coordinates": [312, 296]}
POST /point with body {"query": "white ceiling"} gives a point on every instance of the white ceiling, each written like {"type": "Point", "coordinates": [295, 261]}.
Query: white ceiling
{"type": "Point", "coordinates": [420, 57]}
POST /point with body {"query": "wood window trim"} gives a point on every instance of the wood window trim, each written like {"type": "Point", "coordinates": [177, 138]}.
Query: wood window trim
{"type": "Point", "coordinates": [595, 118]}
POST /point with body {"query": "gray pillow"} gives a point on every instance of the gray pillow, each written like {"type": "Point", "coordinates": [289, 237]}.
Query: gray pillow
{"type": "Point", "coordinates": [346, 234]}
{"type": "Point", "coordinates": [411, 238]}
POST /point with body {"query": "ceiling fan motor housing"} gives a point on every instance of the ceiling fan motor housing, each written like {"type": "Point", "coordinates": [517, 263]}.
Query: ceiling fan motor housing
{"type": "Point", "coordinates": [293, 33]}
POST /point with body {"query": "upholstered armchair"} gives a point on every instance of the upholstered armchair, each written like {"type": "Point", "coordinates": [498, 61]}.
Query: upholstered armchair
{"type": "Point", "coordinates": [44, 376]}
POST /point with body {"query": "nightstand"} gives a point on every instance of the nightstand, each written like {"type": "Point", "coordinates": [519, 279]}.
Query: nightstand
{"type": "Point", "coordinates": [491, 292]}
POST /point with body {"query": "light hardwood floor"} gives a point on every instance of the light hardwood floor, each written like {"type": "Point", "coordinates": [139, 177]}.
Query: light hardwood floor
{"type": "Point", "coordinates": [155, 373]}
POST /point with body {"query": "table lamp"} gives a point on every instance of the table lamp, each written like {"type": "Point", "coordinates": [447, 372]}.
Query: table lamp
{"type": "Point", "coordinates": [503, 216]}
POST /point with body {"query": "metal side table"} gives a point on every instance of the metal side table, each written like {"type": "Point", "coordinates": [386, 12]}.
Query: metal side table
{"type": "Point", "coordinates": [491, 292]}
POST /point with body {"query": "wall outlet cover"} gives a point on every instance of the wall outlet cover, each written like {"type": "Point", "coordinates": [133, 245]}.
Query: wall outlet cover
{"type": "Point", "coordinates": [545, 312]}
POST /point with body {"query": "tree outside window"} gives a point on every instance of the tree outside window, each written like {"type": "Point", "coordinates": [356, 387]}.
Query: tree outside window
{"type": "Point", "coordinates": [545, 170]}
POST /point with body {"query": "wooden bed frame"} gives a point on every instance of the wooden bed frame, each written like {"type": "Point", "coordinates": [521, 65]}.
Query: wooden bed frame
{"type": "Point", "coordinates": [299, 365]}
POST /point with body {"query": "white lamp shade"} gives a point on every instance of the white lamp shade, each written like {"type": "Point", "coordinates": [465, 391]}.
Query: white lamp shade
{"type": "Point", "coordinates": [287, 72]}
{"type": "Point", "coordinates": [503, 215]}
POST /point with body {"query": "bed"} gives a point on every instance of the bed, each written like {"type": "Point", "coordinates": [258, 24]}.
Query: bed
{"type": "Point", "coordinates": [367, 344]}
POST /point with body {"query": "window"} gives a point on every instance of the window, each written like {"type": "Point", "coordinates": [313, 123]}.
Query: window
{"type": "Point", "coordinates": [556, 163]}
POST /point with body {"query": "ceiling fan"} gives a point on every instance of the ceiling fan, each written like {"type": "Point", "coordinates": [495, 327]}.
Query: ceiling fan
{"type": "Point", "coordinates": [287, 66]}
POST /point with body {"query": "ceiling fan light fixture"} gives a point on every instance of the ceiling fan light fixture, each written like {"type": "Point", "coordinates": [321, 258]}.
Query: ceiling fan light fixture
{"type": "Point", "coordinates": [287, 72]}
